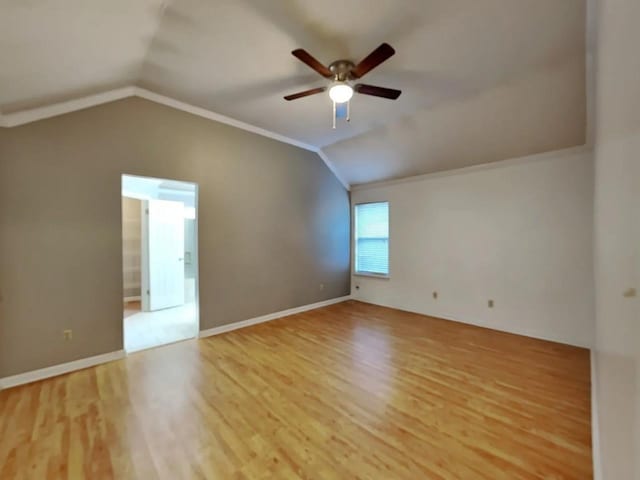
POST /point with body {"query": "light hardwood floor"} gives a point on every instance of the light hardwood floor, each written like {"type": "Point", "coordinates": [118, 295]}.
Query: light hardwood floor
{"type": "Point", "coordinates": [350, 391]}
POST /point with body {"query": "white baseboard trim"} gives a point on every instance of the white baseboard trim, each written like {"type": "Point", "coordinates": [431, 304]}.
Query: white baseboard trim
{"type": "Point", "coordinates": [271, 316]}
{"type": "Point", "coordinates": [595, 422]}
{"type": "Point", "coordinates": [135, 298]}
{"type": "Point", "coordinates": [524, 332]}
{"type": "Point", "coordinates": [56, 370]}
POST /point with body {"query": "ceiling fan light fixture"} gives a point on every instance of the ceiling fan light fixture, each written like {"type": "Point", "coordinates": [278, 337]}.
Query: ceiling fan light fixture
{"type": "Point", "coordinates": [342, 73]}
{"type": "Point", "coordinates": [341, 92]}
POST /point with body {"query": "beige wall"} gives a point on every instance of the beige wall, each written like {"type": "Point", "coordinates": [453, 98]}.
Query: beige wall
{"type": "Point", "coordinates": [131, 246]}
{"type": "Point", "coordinates": [273, 225]}
{"type": "Point", "coordinates": [617, 228]}
{"type": "Point", "coordinates": [518, 233]}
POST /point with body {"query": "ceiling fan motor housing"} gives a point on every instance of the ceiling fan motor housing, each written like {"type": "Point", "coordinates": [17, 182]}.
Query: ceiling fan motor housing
{"type": "Point", "coordinates": [341, 70]}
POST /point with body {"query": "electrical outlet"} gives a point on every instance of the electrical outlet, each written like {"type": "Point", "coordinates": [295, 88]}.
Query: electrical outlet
{"type": "Point", "coordinates": [322, 286]}
{"type": "Point", "coordinates": [67, 334]}
{"type": "Point", "coordinates": [490, 303]}
{"type": "Point", "coordinates": [435, 295]}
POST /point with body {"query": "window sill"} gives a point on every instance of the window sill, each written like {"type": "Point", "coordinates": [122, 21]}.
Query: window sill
{"type": "Point", "coordinates": [371, 275]}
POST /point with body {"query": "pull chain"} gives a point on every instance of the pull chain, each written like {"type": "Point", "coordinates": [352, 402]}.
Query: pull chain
{"type": "Point", "coordinates": [334, 115]}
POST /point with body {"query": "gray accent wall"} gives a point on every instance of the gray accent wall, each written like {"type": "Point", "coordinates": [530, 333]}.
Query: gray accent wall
{"type": "Point", "coordinates": [273, 225]}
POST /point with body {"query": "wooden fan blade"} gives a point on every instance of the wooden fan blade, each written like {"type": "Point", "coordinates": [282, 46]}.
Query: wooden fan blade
{"type": "Point", "coordinates": [375, 58]}
{"type": "Point", "coordinates": [305, 57]}
{"type": "Point", "coordinates": [377, 91]}
{"type": "Point", "coordinates": [306, 93]}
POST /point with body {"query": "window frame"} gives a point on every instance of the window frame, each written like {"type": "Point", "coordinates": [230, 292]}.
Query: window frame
{"type": "Point", "coordinates": [383, 276]}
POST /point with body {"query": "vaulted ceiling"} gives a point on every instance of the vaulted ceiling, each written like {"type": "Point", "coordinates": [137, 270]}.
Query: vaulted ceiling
{"type": "Point", "coordinates": [482, 80]}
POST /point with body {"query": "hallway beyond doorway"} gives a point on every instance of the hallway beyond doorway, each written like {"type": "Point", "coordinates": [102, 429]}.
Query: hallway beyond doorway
{"type": "Point", "coordinates": [150, 329]}
{"type": "Point", "coordinates": [159, 232]}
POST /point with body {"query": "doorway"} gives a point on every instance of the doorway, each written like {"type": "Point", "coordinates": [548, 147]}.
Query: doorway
{"type": "Point", "coordinates": [160, 260]}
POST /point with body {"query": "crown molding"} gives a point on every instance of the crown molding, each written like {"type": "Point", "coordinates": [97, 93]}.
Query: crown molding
{"type": "Point", "coordinates": [216, 117]}
{"type": "Point", "coordinates": [23, 117]}
{"type": "Point", "coordinates": [536, 157]}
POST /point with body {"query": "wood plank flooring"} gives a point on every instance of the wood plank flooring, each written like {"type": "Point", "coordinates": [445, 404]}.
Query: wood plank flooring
{"type": "Point", "coordinates": [350, 391]}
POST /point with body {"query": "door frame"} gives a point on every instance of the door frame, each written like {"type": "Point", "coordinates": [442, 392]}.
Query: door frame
{"type": "Point", "coordinates": [196, 254]}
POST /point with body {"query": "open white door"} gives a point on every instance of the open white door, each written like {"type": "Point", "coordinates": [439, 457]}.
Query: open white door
{"type": "Point", "coordinates": [163, 247]}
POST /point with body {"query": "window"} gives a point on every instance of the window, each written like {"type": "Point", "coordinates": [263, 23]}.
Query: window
{"type": "Point", "coordinates": [372, 238]}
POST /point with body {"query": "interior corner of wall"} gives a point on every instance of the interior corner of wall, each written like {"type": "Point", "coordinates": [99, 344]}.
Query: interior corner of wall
{"type": "Point", "coordinates": [333, 169]}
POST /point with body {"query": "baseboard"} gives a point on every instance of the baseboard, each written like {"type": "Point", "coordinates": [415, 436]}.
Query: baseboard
{"type": "Point", "coordinates": [135, 298]}
{"type": "Point", "coordinates": [56, 370]}
{"type": "Point", "coordinates": [525, 332]}
{"type": "Point", "coordinates": [499, 328]}
{"type": "Point", "coordinates": [271, 316]}
{"type": "Point", "coordinates": [595, 422]}
{"type": "Point", "coordinates": [43, 373]}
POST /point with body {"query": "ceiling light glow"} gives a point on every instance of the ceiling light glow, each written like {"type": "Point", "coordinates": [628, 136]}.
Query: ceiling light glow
{"type": "Point", "coordinates": [341, 92]}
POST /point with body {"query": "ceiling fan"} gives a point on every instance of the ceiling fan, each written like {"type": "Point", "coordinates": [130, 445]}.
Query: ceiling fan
{"type": "Point", "coordinates": [343, 73]}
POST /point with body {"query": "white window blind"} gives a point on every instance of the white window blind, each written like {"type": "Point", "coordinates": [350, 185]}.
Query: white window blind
{"type": "Point", "coordinates": [372, 238]}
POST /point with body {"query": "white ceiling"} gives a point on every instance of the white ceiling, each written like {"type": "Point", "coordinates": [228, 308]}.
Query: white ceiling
{"type": "Point", "coordinates": [482, 80]}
